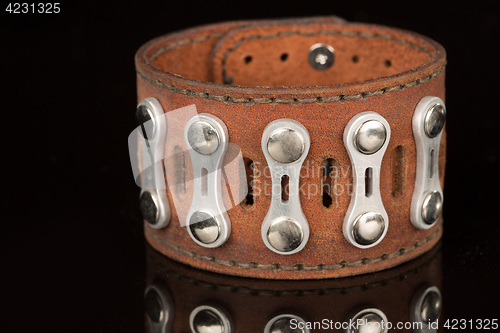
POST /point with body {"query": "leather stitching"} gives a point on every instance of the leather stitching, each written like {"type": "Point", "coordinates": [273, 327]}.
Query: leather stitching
{"type": "Point", "coordinates": [228, 99]}
{"type": "Point", "coordinates": [273, 100]}
{"type": "Point", "coordinates": [183, 42]}
{"type": "Point", "coordinates": [296, 267]}
{"type": "Point", "coordinates": [298, 292]}
{"type": "Point", "coordinates": [312, 34]}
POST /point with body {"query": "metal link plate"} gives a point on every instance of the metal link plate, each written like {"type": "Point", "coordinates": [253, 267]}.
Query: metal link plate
{"type": "Point", "coordinates": [285, 144]}
{"type": "Point", "coordinates": [154, 199]}
{"type": "Point", "coordinates": [427, 197]}
{"type": "Point", "coordinates": [366, 202]}
{"type": "Point", "coordinates": [207, 221]}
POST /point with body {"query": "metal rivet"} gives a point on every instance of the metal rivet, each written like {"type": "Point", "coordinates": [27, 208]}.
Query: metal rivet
{"type": "Point", "coordinates": [283, 325]}
{"type": "Point", "coordinates": [370, 323]}
{"type": "Point", "coordinates": [321, 56]}
{"type": "Point", "coordinates": [204, 227]}
{"type": "Point", "coordinates": [153, 306]}
{"type": "Point", "coordinates": [370, 137]}
{"type": "Point", "coordinates": [368, 228]}
{"type": "Point", "coordinates": [431, 207]}
{"type": "Point", "coordinates": [285, 235]}
{"type": "Point", "coordinates": [203, 137]}
{"type": "Point", "coordinates": [434, 120]}
{"type": "Point", "coordinates": [149, 207]}
{"type": "Point", "coordinates": [145, 119]}
{"type": "Point", "coordinates": [431, 307]}
{"type": "Point", "coordinates": [209, 319]}
{"type": "Point", "coordinates": [285, 145]}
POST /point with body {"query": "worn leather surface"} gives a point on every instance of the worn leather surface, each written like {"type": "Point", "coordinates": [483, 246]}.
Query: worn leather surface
{"type": "Point", "coordinates": [251, 303]}
{"type": "Point", "coordinates": [376, 69]}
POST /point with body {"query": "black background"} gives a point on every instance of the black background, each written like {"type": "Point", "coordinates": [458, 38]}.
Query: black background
{"type": "Point", "coordinates": [72, 249]}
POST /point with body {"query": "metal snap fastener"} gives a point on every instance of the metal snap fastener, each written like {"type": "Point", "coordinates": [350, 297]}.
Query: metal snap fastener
{"type": "Point", "coordinates": [370, 137]}
{"type": "Point", "coordinates": [285, 235]}
{"type": "Point", "coordinates": [208, 319]}
{"type": "Point", "coordinates": [321, 56]}
{"type": "Point", "coordinates": [204, 227]}
{"type": "Point", "coordinates": [431, 307]}
{"type": "Point", "coordinates": [431, 207]}
{"type": "Point", "coordinates": [434, 120]}
{"type": "Point", "coordinates": [145, 118]}
{"type": "Point", "coordinates": [368, 228]}
{"type": "Point", "coordinates": [153, 306]}
{"type": "Point", "coordinates": [285, 145]}
{"type": "Point", "coordinates": [149, 207]}
{"type": "Point", "coordinates": [203, 137]}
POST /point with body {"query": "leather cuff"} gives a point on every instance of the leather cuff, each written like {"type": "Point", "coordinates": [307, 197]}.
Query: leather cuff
{"type": "Point", "coordinates": [366, 100]}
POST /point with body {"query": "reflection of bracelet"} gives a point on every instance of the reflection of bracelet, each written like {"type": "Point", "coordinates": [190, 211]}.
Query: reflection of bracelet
{"type": "Point", "coordinates": [409, 294]}
{"type": "Point", "coordinates": [340, 128]}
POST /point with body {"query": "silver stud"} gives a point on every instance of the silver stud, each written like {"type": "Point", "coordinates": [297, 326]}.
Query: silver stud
{"type": "Point", "coordinates": [425, 308]}
{"type": "Point", "coordinates": [204, 227]}
{"type": "Point", "coordinates": [369, 321]}
{"type": "Point", "coordinates": [159, 307]}
{"type": "Point", "coordinates": [431, 207]}
{"type": "Point", "coordinates": [431, 307]}
{"type": "Point", "coordinates": [153, 306]}
{"type": "Point", "coordinates": [368, 228]}
{"type": "Point", "coordinates": [321, 56]}
{"type": "Point", "coordinates": [370, 137]}
{"type": "Point", "coordinates": [434, 120]}
{"type": "Point", "coordinates": [149, 207]}
{"type": "Point", "coordinates": [208, 319]}
{"type": "Point", "coordinates": [283, 324]}
{"type": "Point", "coordinates": [285, 235]}
{"type": "Point", "coordinates": [203, 137]}
{"type": "Point", "coordinates": [285, 145]}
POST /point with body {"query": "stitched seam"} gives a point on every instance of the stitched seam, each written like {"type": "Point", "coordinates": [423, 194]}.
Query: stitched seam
{"type": "Point", "coordinates": [299, 292]}
{"type": "Point", "coordinates": [182, 43]}
{"type": "Point", "coordinates": [322, 32]}
{"type": "Point", "coordinates": [297, 266]}
{"type": "Point", "coordinates": [228, 99]}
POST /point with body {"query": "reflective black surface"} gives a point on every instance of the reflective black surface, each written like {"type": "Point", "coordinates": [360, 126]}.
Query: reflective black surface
{"type": "Point", "coordinates": [72, 250]}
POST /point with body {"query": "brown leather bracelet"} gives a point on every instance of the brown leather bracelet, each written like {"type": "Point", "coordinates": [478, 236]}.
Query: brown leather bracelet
{"type": "Point", "coordinates": [321, 93]}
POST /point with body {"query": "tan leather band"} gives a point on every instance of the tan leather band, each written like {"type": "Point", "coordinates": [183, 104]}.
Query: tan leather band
{"type": "Point", "coordinates": [249, 74]}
